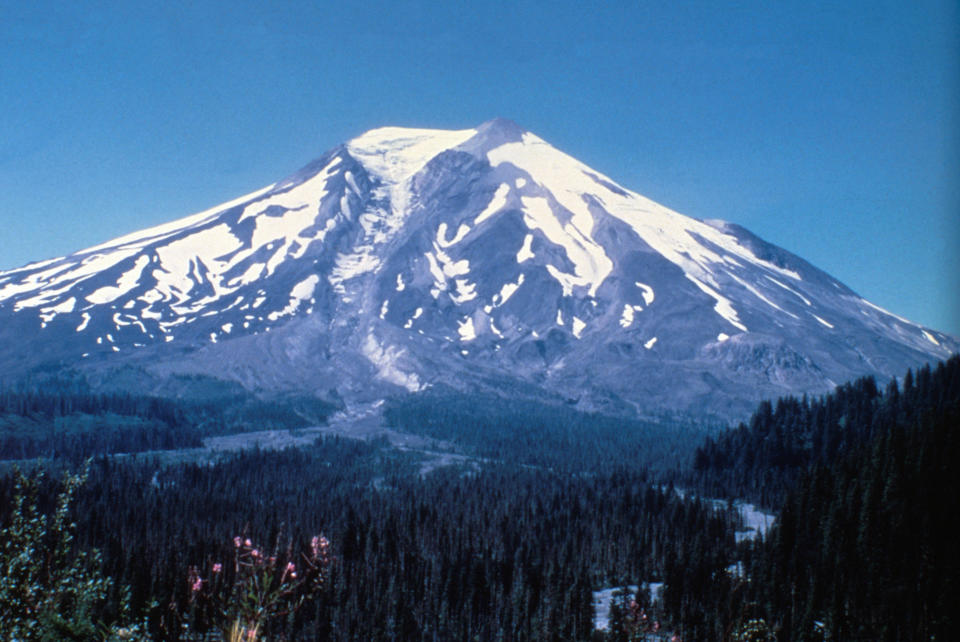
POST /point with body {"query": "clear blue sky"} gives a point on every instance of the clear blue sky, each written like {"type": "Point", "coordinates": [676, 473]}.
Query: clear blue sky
{"type": "Point", "coordinates": [831, 129]}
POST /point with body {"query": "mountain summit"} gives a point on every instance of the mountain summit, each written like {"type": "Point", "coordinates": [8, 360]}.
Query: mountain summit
{"type": "Point", "coordinates": [476, 258]}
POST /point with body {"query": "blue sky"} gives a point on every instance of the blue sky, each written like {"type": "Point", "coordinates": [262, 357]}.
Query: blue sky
{"type": "Point", "coordinates": [831, 129]}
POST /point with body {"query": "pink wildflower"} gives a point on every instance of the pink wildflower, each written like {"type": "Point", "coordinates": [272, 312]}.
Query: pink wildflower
{"type": "Point", "coordinates": [217, 567]}
{"type": "Point", "coordinates": [319, 546]}
{"type": "Point", "coordinates": [236, 541]}
{"type": "Point", "coordinates": [247, 542]}
{"type": "Point", "coordinates": [193, 578]}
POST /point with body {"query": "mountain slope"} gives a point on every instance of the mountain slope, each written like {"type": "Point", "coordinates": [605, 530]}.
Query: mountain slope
{"type": "Point", "coordinates": [481, 257]}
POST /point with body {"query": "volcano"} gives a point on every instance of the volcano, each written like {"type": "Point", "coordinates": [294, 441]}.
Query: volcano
{"type": "Point", "coordinates": [476, 259]}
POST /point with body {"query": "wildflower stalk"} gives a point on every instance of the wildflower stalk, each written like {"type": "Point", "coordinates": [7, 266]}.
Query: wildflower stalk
{"type": "Point", "coordinates": [263, 590]}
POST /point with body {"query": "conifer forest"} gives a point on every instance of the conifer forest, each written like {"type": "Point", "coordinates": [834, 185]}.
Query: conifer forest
{"type": "Point", "coordinates": [508, 532]}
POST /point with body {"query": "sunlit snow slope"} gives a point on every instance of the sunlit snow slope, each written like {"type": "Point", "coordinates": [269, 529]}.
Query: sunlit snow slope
{"type": "Point", "coordinates": [473, 258]}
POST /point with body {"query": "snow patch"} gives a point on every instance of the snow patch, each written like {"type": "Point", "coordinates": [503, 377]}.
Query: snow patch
{"type": "Point", "coordinates": [930, 338]}
{"type": "Point", "coordinates": [826, 323]}
{"type": "Point", "coordinates": [591, 265]}
{"type": "Point", "coordinates": [887, 312]}
{"type": "Point", "coordinates": [506, 291]}
{"type": "Point", "coordinates": [300, 292]}
{"type": "Point", "coordinates": [760, 296]}
{"type": "Point", "coordinates": [525, 251]}
{"type": "Point", "coordinates": [647, 292]}
{"type": "Point", "coordinates": [649, 344]}
{"type": "Point", "coordinates": [443, 267]}
{"type": "Point", "coordinates": [466, 291]}
{"type": "Point", "coordinates": [180, 261]}
{"type": "Point", "coordinates": [442, 240]}
{"type": "Point", "coordinates": [601, 605]}
{"type": "Point", "coordinates": [400, 284]}
{"type": "Point", "coordinates": [723, 336]}
{"type": "Point", "coordinates": [128, 280]}
{"type": "Point", "coordinates": [416, 315]}
{"type": "Point", "coordinates": [603, 598]}
{"type": "Point", "coordinates": [299, 213]}
{"type": "Point", "coordinates": [65, 307]}
{"type": "Point", "coordinates": [788, 289]}
{"type": "Point", "coordinates": [626, 319]}
{"type": "Point", "coordinates": [495, 205]}
{"type": "Point", "coordinates": [577, 327]}
{"type": "Point", "coordinates": [345, 206]}
{"type": "Point", "coordinates": [466, 330]}
{"type": "Point", "coordinates": [251, 274]}
{"type": "Point", "coordinates": [755, 521]}
{"type": "Point", "coordinates": [85, 320]}
{"type": "Point", "coordinates": [723, 306]}
{"type": "Point", "coordinates": [351, 182]}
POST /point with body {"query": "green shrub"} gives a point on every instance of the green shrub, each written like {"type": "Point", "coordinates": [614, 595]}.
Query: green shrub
{"type": "Point", "coordinates": [48, 591]}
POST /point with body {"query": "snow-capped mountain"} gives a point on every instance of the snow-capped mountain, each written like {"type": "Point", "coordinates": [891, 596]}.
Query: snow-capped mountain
{"type": "Point", "coordinates": [481, 257]}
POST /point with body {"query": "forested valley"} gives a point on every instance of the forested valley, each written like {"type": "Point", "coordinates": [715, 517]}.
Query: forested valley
{"type": "Point", "coordinates": [547, 506]}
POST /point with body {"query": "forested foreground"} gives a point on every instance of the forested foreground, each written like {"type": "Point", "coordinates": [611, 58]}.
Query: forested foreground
{"type": "Point", "coordinates": [509, 553]}
{"type": "Point", "coordinates": [866, 482]}
{"type": "Point", "coordinates": [865, 544]}
{"type": "Point", "coordinates": [868, 546]}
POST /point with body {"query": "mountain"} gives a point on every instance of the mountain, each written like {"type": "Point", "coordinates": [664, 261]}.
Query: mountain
{"type": "Point", "coordinates": [474, 259]}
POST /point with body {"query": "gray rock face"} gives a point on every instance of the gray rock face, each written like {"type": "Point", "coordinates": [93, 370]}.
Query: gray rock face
{"type": "Point", "coordinates": [475, 258]}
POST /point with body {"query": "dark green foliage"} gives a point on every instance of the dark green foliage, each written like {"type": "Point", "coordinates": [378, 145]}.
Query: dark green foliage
{"type": "Point", "coordinates": [73, 426]}
{"type": "Point", "coordinates": [763, 459]}
{"type": "Point", "coordinates": [868, 545]}
{"type": "Point", "coordinates": [58, 422]}
{"type": "Point", "coordinates": [557, 437]}
{"type": "Point", "coordinates": [559, 503]}
{"type": "Point", "coordinates": [865, 544]}
{"type": "Point", "coordinates": [49, 590]}
{"type": "Point", "coordinates": [508, 553]}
